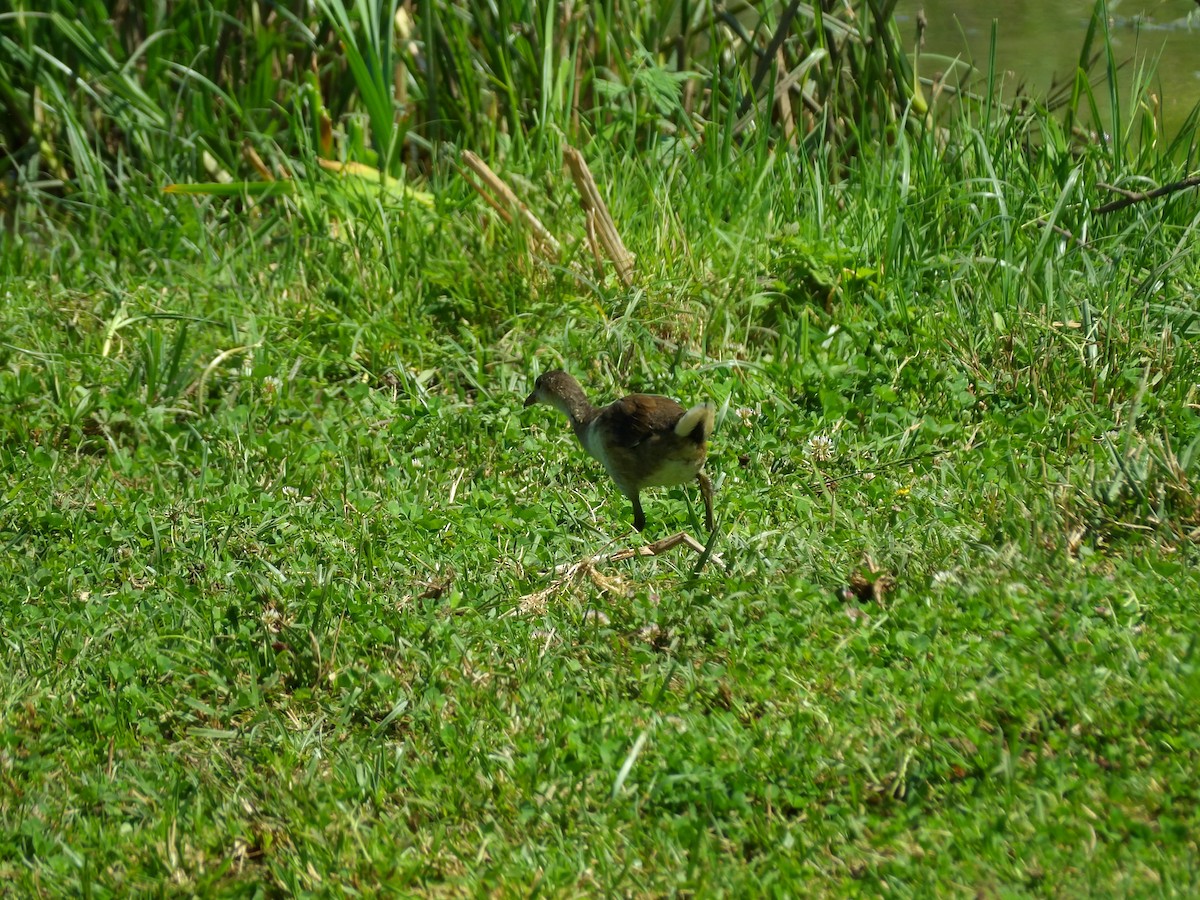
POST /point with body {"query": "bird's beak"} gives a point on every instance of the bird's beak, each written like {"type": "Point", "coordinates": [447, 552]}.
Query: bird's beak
{"type": "Point", "coordinates": [531, 399]}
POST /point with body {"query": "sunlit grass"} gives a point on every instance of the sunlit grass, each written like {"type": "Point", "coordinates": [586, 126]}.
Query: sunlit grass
{"type": "Point", "coordinates": [282, 548]}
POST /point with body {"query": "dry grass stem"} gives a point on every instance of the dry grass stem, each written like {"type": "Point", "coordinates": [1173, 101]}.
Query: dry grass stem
{"type": "Point", "coordinates": [594, 243]}
{"type": "Point", "coordinates": [251, 156]}
{"type": "Point", "coordinates": [594, 205]}
{"type": "Point", "coordinates": [508, 201]}
{"type": "Point", "coordinates": [1129, 197]}
{"type": "Point", "coordinates": [570, 573]}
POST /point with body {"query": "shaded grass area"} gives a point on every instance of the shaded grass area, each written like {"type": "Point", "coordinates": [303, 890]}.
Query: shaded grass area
{"type": "Point", "coordinates": [273, 514]}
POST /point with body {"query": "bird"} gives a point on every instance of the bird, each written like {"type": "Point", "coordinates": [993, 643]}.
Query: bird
{"type": "Point", "coordinates": [642, 440]}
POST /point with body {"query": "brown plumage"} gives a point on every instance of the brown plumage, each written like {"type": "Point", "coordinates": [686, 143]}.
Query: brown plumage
{"type": "Point", "coordinates": [642, 440]}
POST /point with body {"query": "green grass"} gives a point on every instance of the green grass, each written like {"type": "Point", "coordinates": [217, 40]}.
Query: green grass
{"type": "Point", "coordinates": [280, 542]}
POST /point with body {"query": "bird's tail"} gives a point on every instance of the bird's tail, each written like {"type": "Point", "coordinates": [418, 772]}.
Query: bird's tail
{"type": "Point", "coordinates": [697, 423]}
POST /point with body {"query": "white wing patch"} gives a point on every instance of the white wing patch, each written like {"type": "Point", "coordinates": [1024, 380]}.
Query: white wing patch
{"type": "Point", "coordinates": [701, 412]}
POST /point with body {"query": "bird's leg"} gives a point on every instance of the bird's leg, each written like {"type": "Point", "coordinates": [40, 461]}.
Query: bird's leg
{"type": "Point", "coordinates": [706, 492]}
{"type": "Point", "coordinates": [639, 517]}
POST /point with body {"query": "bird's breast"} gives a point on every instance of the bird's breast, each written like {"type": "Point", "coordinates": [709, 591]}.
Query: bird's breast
{"type": "Point", "coordinates": [657, 461]}
{"type": "Point", "coordinates": [593, 442]}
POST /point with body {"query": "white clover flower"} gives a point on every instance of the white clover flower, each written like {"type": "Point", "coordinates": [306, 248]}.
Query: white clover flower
{"type": "Point", "coordinates": [821, 447]}
{"type": "Point", "coordinates": [942, 580]}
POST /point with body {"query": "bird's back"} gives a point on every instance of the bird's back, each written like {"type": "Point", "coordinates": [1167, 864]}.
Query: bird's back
{"type": "Point", "coordinates": [645, 440]}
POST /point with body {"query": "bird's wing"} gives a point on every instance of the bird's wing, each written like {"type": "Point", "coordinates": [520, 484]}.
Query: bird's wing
{"type": "Point", "coordinates": [637, 418]}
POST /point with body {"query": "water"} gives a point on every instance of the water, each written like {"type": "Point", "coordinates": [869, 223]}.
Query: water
{"type": "Point", "coordinates": [1038, 41]}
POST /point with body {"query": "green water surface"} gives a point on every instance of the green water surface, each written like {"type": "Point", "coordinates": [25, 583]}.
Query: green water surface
{"type": "Point", "coordinates": [1037, 44]}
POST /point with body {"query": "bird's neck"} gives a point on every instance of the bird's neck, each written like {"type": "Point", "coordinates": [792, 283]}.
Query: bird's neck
{"type": "Point", "coordinates": [574, 404]}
